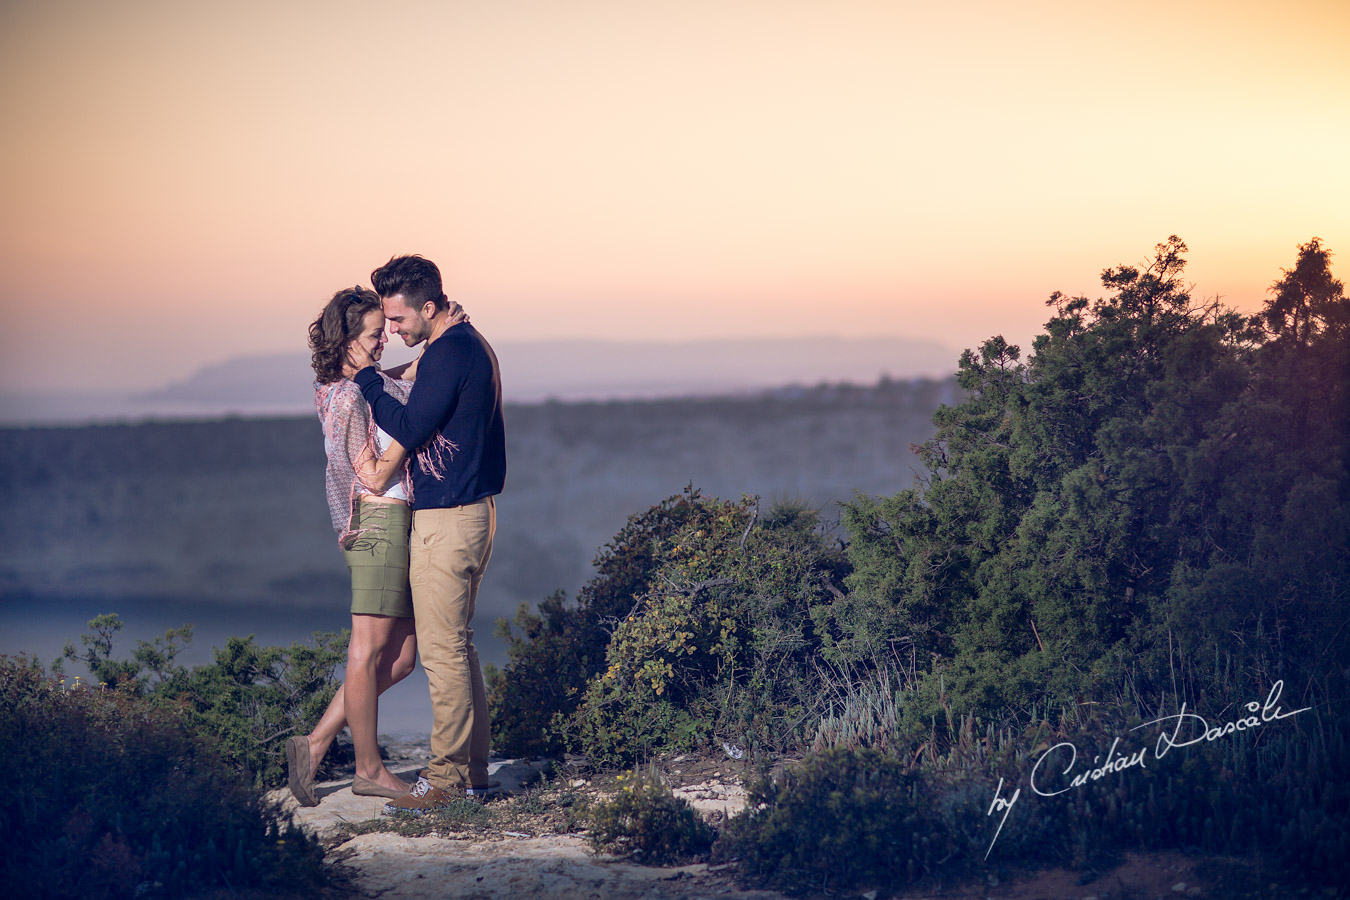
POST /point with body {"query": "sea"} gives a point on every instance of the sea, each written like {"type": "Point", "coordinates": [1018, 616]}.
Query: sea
{"type": "Point", "coordinates": [40, 630]}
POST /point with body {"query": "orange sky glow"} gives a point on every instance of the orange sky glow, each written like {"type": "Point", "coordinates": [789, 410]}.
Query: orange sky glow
{"type": "Point", "coordinates": [185, 183]}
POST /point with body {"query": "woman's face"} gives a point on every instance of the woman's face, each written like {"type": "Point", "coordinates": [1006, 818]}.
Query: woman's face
{"type": "Point", "coordinates": [372, 336]}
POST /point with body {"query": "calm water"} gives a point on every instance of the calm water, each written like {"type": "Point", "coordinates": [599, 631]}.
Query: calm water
{"type": "Point", "coordinates": [41, 629]}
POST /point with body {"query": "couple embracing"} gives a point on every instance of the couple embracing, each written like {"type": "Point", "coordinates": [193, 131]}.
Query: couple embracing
{"type": "Point", "coordinates": [416, 455]}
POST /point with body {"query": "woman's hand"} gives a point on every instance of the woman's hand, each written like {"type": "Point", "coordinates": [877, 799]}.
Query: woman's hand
{"type": "Point", "coordinates": [376, 474]}
{"type": "Point", "coordinates": [457, 314]}
{"type": "Point", "coordinates": [409, 372]}
{"type": "Point", "coordinates": [454, 315]}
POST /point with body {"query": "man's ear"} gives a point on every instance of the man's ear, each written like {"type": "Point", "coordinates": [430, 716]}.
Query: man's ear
{"type": "Point", "coordinates": [429, 310]}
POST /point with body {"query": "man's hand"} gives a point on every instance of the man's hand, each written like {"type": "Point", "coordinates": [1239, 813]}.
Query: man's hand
{"type": "Point", "coordinates": [358, 358]}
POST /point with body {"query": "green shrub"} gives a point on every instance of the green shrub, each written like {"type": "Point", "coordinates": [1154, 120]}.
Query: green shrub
{"type": "Point", "coordinates": [252, 698]}
{"type": "Point", "coordinates": [115, 796]}
{"type": "Point", "coordinates": [867, 818]}
{"type": "Point", "coordinates": [1159, 485]}
{"type": "Point", "coordinates": [720, 645]}
{"type": "Point", "coordinates": [696, 626]}
{"type": "Point", "coordinates": [249, 699]}
{"type": "Point", "coordinates": [552, 655]}
{"type": "Point", "coordinates": [846, 819]}
{"type": "Point", "coordinates": [108, 672]}
{"type": "Point", "coordinates": [647, 821]}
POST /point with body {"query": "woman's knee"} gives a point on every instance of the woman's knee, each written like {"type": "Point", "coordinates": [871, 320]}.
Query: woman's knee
{"type": "Point", "coordinates": [362, 656]}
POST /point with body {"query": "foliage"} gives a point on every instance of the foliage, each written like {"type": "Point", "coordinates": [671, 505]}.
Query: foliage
{"type": "Point", "coordinates": [646, 820]}
{"type": "Point", "coordinates": [97, 655]}
{"type": "Point", "coordinates": [720, 645]}
{"type": "Point", "coordinates": [1152, 509]}
{"type": "Point", "coordinates": [1161, 483]}
{"type": "Point", "coordinates": [844, 819]}
{"type": "Point", "coordinates": [700, 618]}
{"type": "Point", "coordinates": [458, 814]}
{"type": "Point", "coordinates": [117, 797]}
{"type": "Point", "coordinates": [855, 818]}
{"type": "Point", "coordinates": [538, 808]}
{"type": "Point", "coordinates": [248, 700]}
{"type": "Point", "coordinates": [552, 654]}
{"type": "Point", "coordinates": [154, 657]}
{"type": "Point", "coordinates": [251, 698]}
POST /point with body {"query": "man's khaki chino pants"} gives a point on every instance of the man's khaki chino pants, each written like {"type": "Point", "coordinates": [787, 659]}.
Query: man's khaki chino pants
{"type": "Point", "coordinates": [448, 551]}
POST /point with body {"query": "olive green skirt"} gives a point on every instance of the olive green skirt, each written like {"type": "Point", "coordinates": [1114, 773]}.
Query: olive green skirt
{"type": "Point", "coordinates": [378, 560]}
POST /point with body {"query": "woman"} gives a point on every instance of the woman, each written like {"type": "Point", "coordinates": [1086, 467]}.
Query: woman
{"type": "Point", "coordinates": [368, 490]}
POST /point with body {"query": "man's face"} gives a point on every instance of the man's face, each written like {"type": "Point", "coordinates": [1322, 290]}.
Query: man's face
{"type": "Point", "coordinates": [404, 321]}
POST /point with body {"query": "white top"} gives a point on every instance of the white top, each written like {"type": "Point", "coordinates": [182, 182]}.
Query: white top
{"type": "Point", "coordinates": [395, 491]}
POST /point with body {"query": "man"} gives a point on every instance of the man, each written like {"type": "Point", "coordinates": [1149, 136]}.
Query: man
{"type": "Point", "coordinates": [452, 426]}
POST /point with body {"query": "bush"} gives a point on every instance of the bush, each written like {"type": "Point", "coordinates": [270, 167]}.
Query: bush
{"type": "Point", "coordinates": [697, 626]}
{"type": "Point", "coordinates": [647, 821]}
{"type": "Point", "coordinates": [248, 700]}
{"type": "Point", "coordinates": [854, 818]}
{"type": "Point", "coordinates": [252, 698]}
{"type": "Point", "coordinates": [845, 819]}
{"type": "Point", "coordinates": [553, 654]}
{"type": "Point", "coordinates": [1160, 485]}
{"type": "Point", "coordinates": [720, 646]}
{"type": "Point", "coordinates": [114, 796]}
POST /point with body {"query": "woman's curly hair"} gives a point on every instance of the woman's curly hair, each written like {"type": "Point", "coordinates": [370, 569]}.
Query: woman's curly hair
{"type": "Point", "coordinates": [338, 324]}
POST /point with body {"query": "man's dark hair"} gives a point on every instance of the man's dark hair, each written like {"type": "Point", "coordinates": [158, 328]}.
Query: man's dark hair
{"type": "Point", "coordinates": [416, 278]}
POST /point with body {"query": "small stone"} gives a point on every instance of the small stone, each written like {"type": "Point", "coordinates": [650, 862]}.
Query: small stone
{"type": "Point", "coordinates": [870, 895]}
{"type": "Point", "coordinates": [1179, 887]}
{"type": "Point", "coordinates": [580, 782]}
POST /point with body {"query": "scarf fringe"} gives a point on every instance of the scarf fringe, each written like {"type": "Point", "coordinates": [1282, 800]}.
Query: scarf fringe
{"type": "Point", "coordinates": [435, 454]}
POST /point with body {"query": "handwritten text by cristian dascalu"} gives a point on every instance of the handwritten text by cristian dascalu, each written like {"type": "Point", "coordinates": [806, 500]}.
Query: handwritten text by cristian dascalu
{"type": "Point", "coordinates": [1188, 729]}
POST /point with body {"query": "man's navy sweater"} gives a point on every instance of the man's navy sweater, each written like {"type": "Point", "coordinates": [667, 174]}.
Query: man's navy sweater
{"type": "Point", "coordinates": [458, 393]}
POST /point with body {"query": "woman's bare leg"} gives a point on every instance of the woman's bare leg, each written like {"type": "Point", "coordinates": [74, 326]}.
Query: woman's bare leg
{"type": "Point", "coordinates": [333, 720]}
{"type": "Point", "coordinates": [396, 660]}
{"type": "Point", "coordinates": [378, 646]}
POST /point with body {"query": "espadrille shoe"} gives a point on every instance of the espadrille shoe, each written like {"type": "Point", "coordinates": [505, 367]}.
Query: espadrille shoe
{"type": "Point", "coordinates": [364, 787]}
{"type": "Point", "coordinates": [297, 771]}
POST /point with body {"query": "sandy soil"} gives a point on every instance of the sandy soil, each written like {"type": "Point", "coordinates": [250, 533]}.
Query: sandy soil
{"type": "Point", "coordinates": [529, 845]}
{"type": "Point", "coordinates": [493, 860]}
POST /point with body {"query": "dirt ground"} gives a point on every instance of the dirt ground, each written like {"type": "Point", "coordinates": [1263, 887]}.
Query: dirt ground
{"type": "Point", "coordinates": [529, 842]}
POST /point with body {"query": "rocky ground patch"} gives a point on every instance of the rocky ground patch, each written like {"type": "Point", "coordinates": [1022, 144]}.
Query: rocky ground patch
{"type": "Point", "coordinates": [526, 842]}
{"type": "Point", "coordinates": [529, 841]}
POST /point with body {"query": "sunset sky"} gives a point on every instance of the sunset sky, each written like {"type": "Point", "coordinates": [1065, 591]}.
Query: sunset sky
{"type": "Point", "coordinates": [184, 182]}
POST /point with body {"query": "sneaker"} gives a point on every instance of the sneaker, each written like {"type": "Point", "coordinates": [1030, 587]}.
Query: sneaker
{"type": "Point", "coordinates": [422, 798]}
{"type": "Point", "coordinates": [482, 790]}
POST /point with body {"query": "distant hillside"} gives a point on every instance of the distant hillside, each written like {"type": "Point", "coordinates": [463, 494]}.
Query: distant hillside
{"type": "Point", "coordinates": [531, 372]}
{"type": "Point", "coordinates": [233, 511]}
